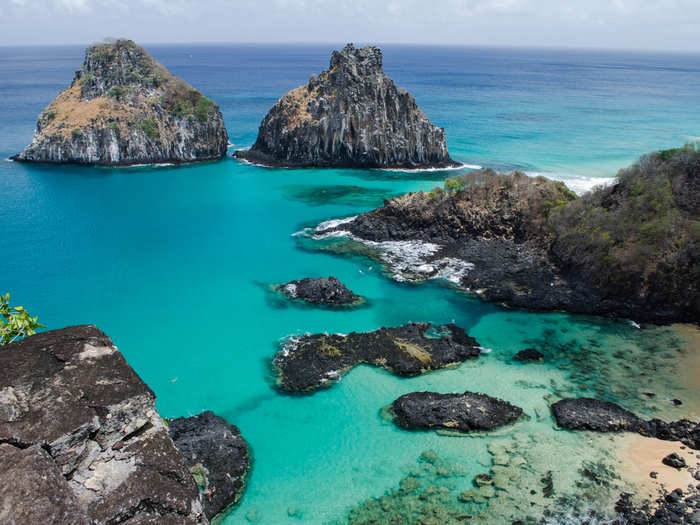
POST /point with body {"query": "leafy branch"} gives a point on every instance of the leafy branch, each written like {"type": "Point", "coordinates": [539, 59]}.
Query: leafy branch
{"type": "Point", "coordinates": [15, 322]}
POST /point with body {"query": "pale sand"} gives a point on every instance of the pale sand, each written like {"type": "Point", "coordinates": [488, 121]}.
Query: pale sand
{"type": "Point", "coordinates": [641, 455]}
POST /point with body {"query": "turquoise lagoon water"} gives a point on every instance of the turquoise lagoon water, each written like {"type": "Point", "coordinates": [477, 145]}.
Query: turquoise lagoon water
{"type": "Point", "coordinates": [175, 264]}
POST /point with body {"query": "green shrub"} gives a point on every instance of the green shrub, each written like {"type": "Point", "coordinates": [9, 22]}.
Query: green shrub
{"type": "Point", "coordinates": [50, 115]}
{"type": "Point", "coordinates": [15, 322]}
{"type": "Point", "coordinates": [76, 133]}
{"type": "Point", "coordinates": [116, 92]}
{"type": "Point", "coordinates": [149, 127]}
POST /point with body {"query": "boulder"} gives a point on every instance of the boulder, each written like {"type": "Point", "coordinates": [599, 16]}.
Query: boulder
{"type": "Point", "coordinates": [528, 355]}
{"type": "Point", "coordinates": [321, 291]}
{"type": "Point", "coordinates": [217, 456]}
{"type": "Point", "coordinates": [350, 116]}
{"type": "Point", "coordinates": [466, 412]}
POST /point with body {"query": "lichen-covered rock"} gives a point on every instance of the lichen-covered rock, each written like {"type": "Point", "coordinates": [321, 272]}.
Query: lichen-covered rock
{"type": "Point", "coordinates": [466, 412]}
{"type": "Point", "coordinates": [217, 456]}
{"type": "Point", "coordinates": [82, 437]}
{"type": "Point", "coordinates": [311, 361]}
{"type": "Point", "coordinates": [125, 108]}
{"type": "Point", "coordinates": [602, 416]}
{"type": "Point", "coordinates": [328, 292]}
{"type": "Point", "coordinates": [351, 116]}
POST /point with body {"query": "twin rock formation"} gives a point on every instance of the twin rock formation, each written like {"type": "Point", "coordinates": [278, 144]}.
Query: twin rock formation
{"type": "Point", "coordinates": [125, 108]}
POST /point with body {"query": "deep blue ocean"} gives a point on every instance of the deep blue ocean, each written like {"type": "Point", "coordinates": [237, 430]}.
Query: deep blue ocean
{"type": "Point", "coordinates": [174, 263]}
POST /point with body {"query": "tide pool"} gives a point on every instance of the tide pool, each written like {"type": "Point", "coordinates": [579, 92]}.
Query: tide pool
{"type": "Point", "coordinates": [174, 265]}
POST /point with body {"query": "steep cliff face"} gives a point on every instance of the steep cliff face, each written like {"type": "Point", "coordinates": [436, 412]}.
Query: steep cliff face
{"type": "Point", "coordinates": [352, 115]}
{"type": "Point", "coordinates": [81, 440]}
{"type": "Point", "coordinates": [125, 108]}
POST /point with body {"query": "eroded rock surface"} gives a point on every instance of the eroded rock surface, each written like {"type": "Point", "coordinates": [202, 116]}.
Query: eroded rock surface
{"type": "Point", "coordinates": [80, 435]}
{"type": "Point", "coordinates": [466, 412]}
{"type": "Point", "coordinates": [311, 361]}
{"type": "Point", "coordinates": [125, 108]}
{"type": "Point", "coordinates": [602, 416]}
{"type": "Point", "coordinates": [329, 292]}
{"type": "Point", "coordinates": [217, 456]}
{"type": "Point", "coordinates": [352, 116]}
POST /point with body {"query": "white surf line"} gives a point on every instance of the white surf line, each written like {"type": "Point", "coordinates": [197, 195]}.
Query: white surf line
{"type": "Point", "coordinates": [418, 170]}
{"type": "Point", "coordinates": [577, 183]}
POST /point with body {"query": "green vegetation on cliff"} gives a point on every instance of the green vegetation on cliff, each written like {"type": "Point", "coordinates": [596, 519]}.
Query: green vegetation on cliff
{"type": "Point", "coordinates": [15, 321]}
{"type": "Point", "coordinates": [637, 239]}
{"type": "Point", "coordinates": [642, 234]}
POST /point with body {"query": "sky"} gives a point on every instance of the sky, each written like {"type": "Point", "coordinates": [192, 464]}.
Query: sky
{"type": "Point", "coordinates": [614, 24]}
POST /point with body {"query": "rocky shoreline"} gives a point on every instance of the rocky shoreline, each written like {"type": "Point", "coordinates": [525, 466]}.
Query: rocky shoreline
{"type": "Point", "coordinates": [82, 442]}
{"type": "Point", "coordinates": [515, 240]}
{"type": "Point", "coordinates": [350, 116]}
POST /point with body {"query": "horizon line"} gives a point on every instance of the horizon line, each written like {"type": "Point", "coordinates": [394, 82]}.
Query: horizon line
{"type": "Point", "coordinates": [394, 43]}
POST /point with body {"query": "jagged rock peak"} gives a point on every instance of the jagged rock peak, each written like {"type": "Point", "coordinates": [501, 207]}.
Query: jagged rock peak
{"type": "Point", "coordinates": [352, 116]}
{"type": "Point", "coordinates": [123, 108]}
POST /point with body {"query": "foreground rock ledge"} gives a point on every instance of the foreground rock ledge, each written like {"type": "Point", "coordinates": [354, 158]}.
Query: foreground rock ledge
{"type": "Point", "coordinates": [311, 361]}
{"type": "Point", "coordinates": [81, 440]}
{"type": "Point", "coordinates": [586, 413]}
{"type": "Point", "coordinates": [321, 291]}
{"type": "Point", "coordinates": [351, 116]}
{"type": "Point", "coordinates": [466, 412]}
{"type": "Point", "coordinates": [125, 108]}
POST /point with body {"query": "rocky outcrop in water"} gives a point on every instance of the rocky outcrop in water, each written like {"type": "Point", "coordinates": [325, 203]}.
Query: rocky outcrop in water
{"type": "Point", "coordinates": [529, 355]}
{"type": "Point", "coordinates": [216, 455]}
{"type": "Point", "coordinates": [125, 108]}
{"type": "Point", "coordinates": [466, 412]}
{"type": "Point", "coordinates": [351, 116]}
{"type": "Point", "coordinates": [81, 440]}
{"type": "Point", "coordinates": [322, 291]}
{"type": "Point", "coordinates": [311, 361]}
{"type": "Point", "coordinates": [602, 416]}
{"type": "Point", "coordinates": [630, 250]}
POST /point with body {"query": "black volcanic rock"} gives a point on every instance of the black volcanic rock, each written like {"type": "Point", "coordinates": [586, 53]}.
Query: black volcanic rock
{"type": "Point", "coordinates": [465, 412]}
{"type": "Point", "coordinates": [216, 455]}
{"type": "Point", "coordinates": [528, 355]}
{"type": "Point", "coordinates": [311, 361]}
{"type": "Point", "coordinates": [674, 460]}
{"type": "Point", "coordinates": [81, 439]}
{"type": "Point", "coordinates": [351, 116]}
{"type": "Point", "coordinates": [321, 291]}
{"type": "Point", "coordinates": [531, 243]}
{"type": "Point", "coordinates": [586, 413]}
{"type": "Point", "coordinates": [125, 108]}
{"type": "Point", "coordinates": [602, 416]}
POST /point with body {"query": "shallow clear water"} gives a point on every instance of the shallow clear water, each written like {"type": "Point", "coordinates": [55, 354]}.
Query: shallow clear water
{"type": "Point", "coordinates": [174, 263]}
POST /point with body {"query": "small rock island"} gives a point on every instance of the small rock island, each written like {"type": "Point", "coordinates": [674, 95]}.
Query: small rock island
{"type": "Point", "coordinates": [313, 361]}
{"type": "Point", "coordinates": [320, 291]}
{"type": "Point", "coordinates": [124, 108]}
{"type": "Point", "coordinates": [350, 116]}
{"type": "Point", "coordinates": [464, 412]}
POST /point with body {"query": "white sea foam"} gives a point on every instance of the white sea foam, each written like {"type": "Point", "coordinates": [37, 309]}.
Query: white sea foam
{"type": "Point", "coordinates": [635, 324]}
{"type": "Point", "coordinates": [450, 168]}
{"type": "Point", "coordinates": [152, 165]}
{"type": "Point", "coordinates": [291, 289]}
{"type": "Point", "coordinates": [8, 159]}
{"type": "Point", "coordinates": [576, 183]}
{"type": "Point", "coordinates": [334, 223]}
{"type": "Point", "coordinates": [408, 261]}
